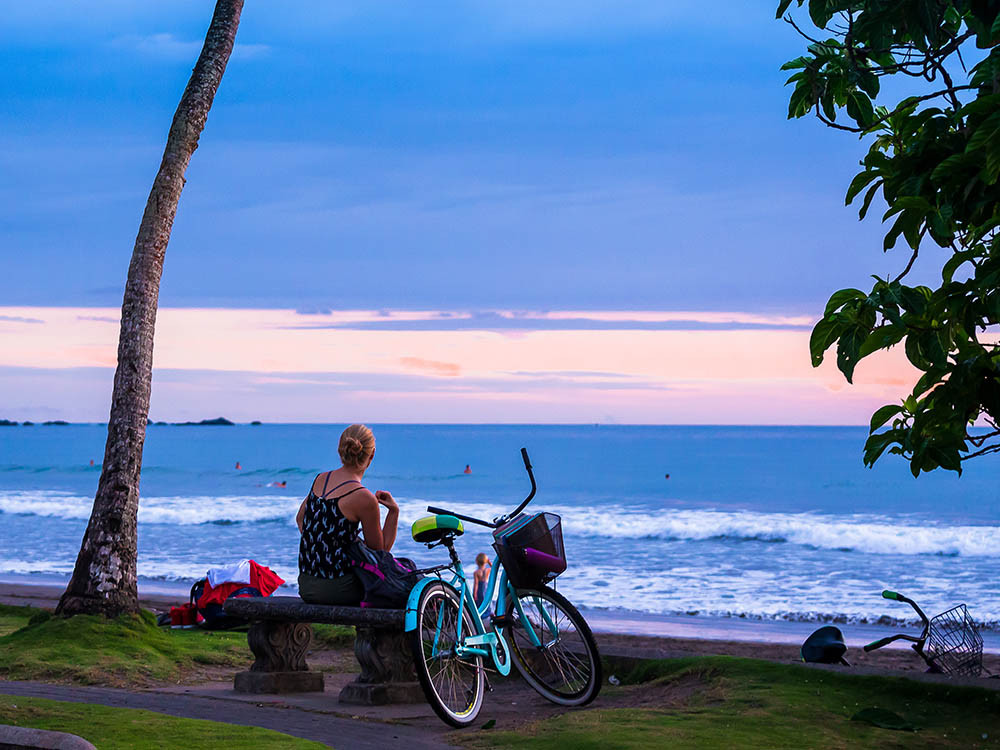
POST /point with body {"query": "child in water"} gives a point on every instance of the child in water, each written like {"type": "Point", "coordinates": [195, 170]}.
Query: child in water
{"type": "Point", "coordinates": [481, 577]}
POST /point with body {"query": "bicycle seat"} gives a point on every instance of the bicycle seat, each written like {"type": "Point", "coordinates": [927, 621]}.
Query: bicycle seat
{"type": "Point", "coordinates": [825, 646]}
{"type": "Point", "coordinates": [435, 528]}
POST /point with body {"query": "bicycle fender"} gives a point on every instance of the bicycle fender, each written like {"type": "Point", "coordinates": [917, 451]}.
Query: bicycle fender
{"type": "Point", "coordinates": [410, 622]}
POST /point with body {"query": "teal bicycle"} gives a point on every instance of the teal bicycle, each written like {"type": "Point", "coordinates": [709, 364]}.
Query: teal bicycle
{"type": "Point", "coordinates": [530, 624]}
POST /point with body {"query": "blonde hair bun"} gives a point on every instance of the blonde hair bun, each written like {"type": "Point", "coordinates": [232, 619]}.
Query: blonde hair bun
{"type": "Point", "coordinates": [357, 446]}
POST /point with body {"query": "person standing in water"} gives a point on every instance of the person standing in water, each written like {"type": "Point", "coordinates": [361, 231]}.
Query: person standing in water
{"type": "Point", "coordinates": [468, 469]}
{"type": "Point", "coordinates": [481, 577]}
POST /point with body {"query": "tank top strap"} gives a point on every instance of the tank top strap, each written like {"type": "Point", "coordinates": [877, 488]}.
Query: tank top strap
{"type": "Point", "coordinates": [349, 492]}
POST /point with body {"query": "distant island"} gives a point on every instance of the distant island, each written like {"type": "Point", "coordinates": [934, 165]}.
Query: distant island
{"type": "Point", "coordinates": [256, 422]}
{"type": "Point", "coordinates": [217, 422]}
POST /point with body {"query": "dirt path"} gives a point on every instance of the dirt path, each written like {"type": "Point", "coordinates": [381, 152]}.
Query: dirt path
{"type": "Point", "coordinates": [310, 724]}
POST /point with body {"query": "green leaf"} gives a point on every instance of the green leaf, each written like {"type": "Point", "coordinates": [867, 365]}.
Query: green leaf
{"type": "Point", "coordinates": [823, 335]}
{"type": "Point", "coordinates": [883, 415]}
{"type": "Point", "coordinates": [840, 298]}
{"type": "Point", "coordinates": [819, 13]}
{"type": "Point", "coordinates": [955, 262]}
{"type": "Point", "coordinates": [881, 717]}
{"type": "Point", "coordinates": [876, 444]}
{"type": "Point", "coordinates": [798, 62]}
{"type": "Point", "coordinates": [860, 109]}
{"type": "Point", "coordinates": [987, 131]}
{"type": "Point", "coordinates": [849, 349]}
{"type": "Point", "coordinates": [858, 183]}
{"type": "Point", "coordinates": [868, 199]}
{"type": "Point", "coordinates": [782, 7]}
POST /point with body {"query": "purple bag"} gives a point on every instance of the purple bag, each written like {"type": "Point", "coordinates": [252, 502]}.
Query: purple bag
{"type": "Point", "coordinates": [387, 580]}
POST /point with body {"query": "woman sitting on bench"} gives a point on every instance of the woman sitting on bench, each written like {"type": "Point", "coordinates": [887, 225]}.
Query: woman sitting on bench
{"type": "Point", "coordinates": [329, 518]}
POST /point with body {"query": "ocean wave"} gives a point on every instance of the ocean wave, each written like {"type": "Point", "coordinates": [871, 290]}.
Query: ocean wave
{"type": "Point", "coordinates": [849, 533]}
{"type": "Point", "coordinates": [180, 511]}
{"type": "Point", "coordinates": [846, 533]}
{"type": "Point", "coordinates": [868, 534]}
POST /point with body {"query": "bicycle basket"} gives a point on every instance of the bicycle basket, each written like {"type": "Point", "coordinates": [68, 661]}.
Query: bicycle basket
{"type": "Point", "coordinates": [531, 549]}
{"type": "Point", "coordinates": [953, 644]}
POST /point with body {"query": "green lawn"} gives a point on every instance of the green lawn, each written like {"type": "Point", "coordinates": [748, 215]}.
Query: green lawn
{"type": "Point", "coordinates": [332, 636]}
{"type": "Point", "coordinates": [110, 728]}
{"type": "Point", "coordinates": [15, 618]}
{"type": "Point", "coordinates": [129, 650]}
{"type": "Point", "coordinates": [745, 703]}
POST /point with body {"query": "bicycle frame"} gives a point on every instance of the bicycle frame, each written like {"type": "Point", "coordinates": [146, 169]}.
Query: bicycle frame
{"type": "Point", "coordinates": [917, 642]}
{"type": "Point", "coordinates": [481, 642]}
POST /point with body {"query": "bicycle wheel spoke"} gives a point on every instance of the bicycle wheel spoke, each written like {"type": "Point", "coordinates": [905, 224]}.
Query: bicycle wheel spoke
{"type": "Point", "coordinates": [562, 665]}
{"type": "Point", "coordinates": [453, 684]}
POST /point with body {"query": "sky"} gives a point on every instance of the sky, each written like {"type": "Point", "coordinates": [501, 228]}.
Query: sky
{"type": "Point", "coordinates": [464, 211]}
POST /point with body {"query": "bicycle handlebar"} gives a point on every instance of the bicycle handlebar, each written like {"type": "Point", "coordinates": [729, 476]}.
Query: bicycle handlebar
{"type": "Point", "coordinates": [889, 639]}
{"type": "Point", "coordinates": [895, 596]}
{"type": "Point", "coordinates": [499, 520]}
{"type": "Point", "coordinates": [531, 476]}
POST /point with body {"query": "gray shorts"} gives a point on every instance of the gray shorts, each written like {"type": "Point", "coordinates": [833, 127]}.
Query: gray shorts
{"type": "Point", "coordinates": [345, 590]}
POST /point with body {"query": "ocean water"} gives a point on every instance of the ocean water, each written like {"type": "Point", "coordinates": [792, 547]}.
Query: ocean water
{"type": "Point", "coordinates": [753, 522]}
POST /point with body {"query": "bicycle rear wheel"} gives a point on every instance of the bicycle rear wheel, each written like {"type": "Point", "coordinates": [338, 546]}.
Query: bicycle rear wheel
{"type": "Point", "coordinates": [566, 667]}
{"type": "Point", "coordinates": [453, 685]}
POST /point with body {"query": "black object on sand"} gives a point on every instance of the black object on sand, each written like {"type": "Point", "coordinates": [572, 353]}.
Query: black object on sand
{"type": "Point", "coordinates": [825, 646]}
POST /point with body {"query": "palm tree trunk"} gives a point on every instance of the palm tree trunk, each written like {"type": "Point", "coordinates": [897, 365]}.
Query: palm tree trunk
{"type": "Point", "coordinates": [104, 579]}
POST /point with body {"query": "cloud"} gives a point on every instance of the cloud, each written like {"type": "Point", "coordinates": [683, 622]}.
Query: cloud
{"type": "Point", "coordinates": [164, 46]}
{"type": "Point", "coordinates": [19, 319]}
{"type": "Point", "coordinates": [446, 369]}
{"type": "Point", "coordinates": [99, 318]}
{"type": "Point", "coordinates": [528, 320]}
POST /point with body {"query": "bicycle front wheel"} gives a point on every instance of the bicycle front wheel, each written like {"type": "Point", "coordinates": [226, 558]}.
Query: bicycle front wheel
{"type": "Point", "coordinates": [453, 685]}
{"type": "Point", "coordinates": [564, 666]}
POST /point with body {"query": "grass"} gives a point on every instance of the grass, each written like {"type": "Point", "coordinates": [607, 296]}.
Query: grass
{"type": "Point", "coordinates": [15, 618]}
{"type": "Point", "coordinates": [129, 650]}
{"type": "Point", "coordinates": [110, 728]}
{"type": "Point", "coordinates": [751, 703]}
{"type": "Point", "coordinates": [332, 636]}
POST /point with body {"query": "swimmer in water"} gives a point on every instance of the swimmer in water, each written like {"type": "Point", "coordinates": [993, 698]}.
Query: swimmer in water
{"type": "Point", "coordinates": [468, 469]}
{"type": "Point", "coordinates": [238, 467]}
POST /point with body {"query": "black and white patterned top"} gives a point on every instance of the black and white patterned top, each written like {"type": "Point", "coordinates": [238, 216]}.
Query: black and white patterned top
{"type": "Point", "coordinates": [325, 534]}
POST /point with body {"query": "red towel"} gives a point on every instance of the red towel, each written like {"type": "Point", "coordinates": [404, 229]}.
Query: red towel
{"type": "Point", "coordinates": [262, 578]}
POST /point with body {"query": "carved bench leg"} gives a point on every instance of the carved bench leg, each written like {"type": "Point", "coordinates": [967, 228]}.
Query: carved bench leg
{"type": "Point", "coordinates": [387, 674]}
{"type": "Point", "coordinates": [280, 665]}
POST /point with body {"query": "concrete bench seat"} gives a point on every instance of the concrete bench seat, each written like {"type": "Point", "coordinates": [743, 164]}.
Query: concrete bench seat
{"type": "Point", "coordinates": [280, 634]}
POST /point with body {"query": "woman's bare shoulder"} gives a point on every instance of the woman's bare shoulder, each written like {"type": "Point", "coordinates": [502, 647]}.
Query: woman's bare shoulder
{"type": "Point", "coordinates": [358, 500]}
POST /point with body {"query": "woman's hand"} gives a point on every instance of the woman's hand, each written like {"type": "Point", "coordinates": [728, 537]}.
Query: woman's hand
{"type": "Point", "coordinates": [385, 499]}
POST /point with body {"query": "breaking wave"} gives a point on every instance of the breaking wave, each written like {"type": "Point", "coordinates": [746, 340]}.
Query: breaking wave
{"type": "Point", "coordinates": [867, 534]}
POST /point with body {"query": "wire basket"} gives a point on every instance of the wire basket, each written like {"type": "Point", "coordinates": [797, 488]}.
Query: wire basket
{"type": "Point", "coordinates": [531, 549]}
{"type": "Point", "coordinates": [954, 645]}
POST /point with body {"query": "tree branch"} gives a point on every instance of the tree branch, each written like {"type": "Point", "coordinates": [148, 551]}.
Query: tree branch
{"type": "Point", "coordinates": [909, 265]}
{"type": "Point", "coordinates": [995, 448]}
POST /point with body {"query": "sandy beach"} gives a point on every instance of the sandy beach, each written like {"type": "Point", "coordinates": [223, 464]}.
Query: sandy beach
{"type": "Point", "coordinates": [630, 637]}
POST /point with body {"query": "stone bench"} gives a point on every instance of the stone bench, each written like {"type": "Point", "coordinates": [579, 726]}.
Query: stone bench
{"type": "Point", "coordinates": [280, 634]}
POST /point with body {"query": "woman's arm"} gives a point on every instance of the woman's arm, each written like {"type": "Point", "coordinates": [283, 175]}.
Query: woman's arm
{"type": "Point", "coordinates": [301, 515]}
{"type": "Point", "coordinates": [391, 519]}
{"type": "Point", "coordinates": [363, 507]}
